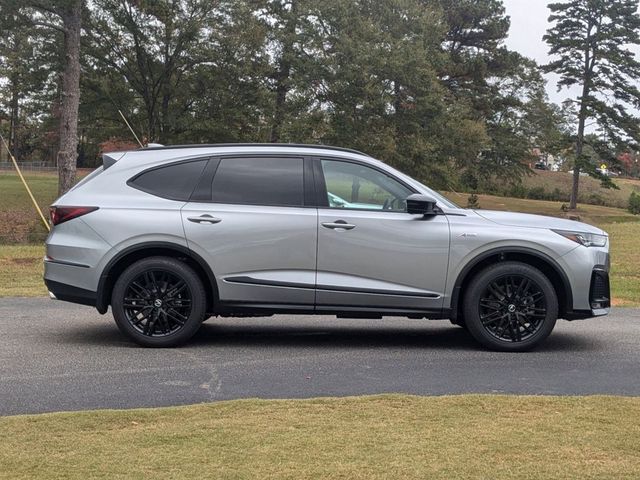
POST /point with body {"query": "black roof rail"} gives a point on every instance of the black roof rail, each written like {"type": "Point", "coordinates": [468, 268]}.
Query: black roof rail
{"type": "Point", "coordinates": [297, 145]}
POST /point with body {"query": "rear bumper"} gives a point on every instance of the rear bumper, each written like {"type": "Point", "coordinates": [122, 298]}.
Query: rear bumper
{"type": "Point", "coordinates": [69, 293]}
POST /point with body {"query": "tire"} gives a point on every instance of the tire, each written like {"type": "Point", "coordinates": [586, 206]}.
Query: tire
{"type": "Point", "coordinates": [159, 302]}
{"type": "Point", "coordinates": [510, 307]}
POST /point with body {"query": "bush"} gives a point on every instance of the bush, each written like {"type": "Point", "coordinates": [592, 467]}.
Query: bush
{"type": "Point", "coordinates": [472, 201]}
{"type": "Point", "coordinates": [634, 203]}
{"type": "Point", "coordinates": [517, 191]}
{"type": "Point", "coordinates": [537, 193]}
{"type": "Point", "coordinates": [595, 199]}
{"type": "Point", "coordinates": [558, 196]}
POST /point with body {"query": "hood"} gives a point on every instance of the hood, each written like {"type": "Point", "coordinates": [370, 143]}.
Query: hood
{"type": "Point", "coordinates": [513, 219]}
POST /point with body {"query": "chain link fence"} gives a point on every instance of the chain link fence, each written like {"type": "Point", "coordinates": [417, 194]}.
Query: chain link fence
{"type": "Point", "coordinates": [29, 166]}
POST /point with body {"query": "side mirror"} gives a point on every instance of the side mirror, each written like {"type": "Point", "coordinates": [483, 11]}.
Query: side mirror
{"type": "Point", "coordinates": [419, 204]}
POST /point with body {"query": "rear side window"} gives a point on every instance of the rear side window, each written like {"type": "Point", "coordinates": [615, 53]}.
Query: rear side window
{"type": "Point", "coordinates": [175, 182]}
{"type": "Point", "coordinates": [259, 181]}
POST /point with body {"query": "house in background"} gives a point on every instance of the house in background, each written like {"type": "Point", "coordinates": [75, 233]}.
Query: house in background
{"type": "Point", "coordinates": [546, 161]}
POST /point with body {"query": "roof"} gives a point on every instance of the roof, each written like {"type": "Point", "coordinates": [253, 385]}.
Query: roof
{"type": "Point", "coordinates": [275, 145]}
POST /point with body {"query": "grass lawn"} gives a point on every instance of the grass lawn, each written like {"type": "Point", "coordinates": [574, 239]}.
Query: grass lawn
{"type": "Point", "coordinates": [21, 271]}
{"type": "Point", "coordinates": [19, 222]}
{"type": "Point", "coordinates": [588, 186]}
{"type": "Point", "coordinates": [390, 436]}
{"type": "Point", "coordinates": [593, 214]}
{"type": "Point", "coordinates": [625, 263]}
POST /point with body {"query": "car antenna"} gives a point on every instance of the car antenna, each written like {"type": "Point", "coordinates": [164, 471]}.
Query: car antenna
{"type": "Point", "coordinates": [128, 125]}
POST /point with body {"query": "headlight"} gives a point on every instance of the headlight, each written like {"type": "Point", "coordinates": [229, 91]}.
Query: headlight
{"type": "Point", "coordinates": [586, 239]}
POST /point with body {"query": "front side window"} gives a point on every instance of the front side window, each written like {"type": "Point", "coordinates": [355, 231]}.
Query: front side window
{"type": "Point", "coordinates": [175, 181]}
{"type": "Point", "coordinates": [259, 181]}
{"type": "Point", "coordinates": [355, 186]}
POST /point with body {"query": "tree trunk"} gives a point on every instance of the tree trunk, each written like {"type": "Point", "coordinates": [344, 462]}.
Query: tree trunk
{"type": "Point", "coordinates": [573, 204]}
{"type": "Point", "coordinates": [582, 117]}
{"type": "Point", "coordinates": [283, 75]}
{"type": "Point", "coordinates": [68, 152]}
{"type": "Point", "coordinates": [13, 119]}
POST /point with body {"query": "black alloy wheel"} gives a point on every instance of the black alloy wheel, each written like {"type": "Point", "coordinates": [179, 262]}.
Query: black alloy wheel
{"type": "Point", "coordinates": [510, 306]}
{"type": "Point", "coordinates": [159, 302]}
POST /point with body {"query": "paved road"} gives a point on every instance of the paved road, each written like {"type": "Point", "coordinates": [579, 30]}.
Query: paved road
{"type": "Point", "coordinates": [56, 356]}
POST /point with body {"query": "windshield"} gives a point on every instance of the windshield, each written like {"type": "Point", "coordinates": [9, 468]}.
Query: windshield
{"type": "Point", "coordinates": [440, 198]}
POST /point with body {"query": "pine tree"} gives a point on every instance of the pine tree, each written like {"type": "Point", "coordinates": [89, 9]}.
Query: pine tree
{"type": "Point", "coordinates": [590, 40]}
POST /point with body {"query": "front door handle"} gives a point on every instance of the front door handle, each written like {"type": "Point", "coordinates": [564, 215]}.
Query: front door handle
{"type": "Point", "coordinates": [206, 219]}
{"type": "Point", "coordinates": [339, 224]}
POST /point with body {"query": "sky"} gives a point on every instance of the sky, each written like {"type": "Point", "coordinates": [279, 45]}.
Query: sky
{"type": "Point", "coordinates": [528, 25]}
{"type": "Point", "coordinates": [529, 22]}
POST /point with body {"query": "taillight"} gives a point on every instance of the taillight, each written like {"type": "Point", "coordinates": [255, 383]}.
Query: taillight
{"type": "Point", "coordinates": [62, 214]}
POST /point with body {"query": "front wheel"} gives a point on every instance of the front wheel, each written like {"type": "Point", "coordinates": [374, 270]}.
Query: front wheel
{"type": "Point", "coordinates": [511, 307]}
{"type": "Point", "coordinates": [159, 302]}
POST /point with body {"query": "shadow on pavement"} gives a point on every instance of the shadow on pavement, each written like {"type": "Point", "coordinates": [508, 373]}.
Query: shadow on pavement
{"type": "Point", "coordinates": [371, 336]}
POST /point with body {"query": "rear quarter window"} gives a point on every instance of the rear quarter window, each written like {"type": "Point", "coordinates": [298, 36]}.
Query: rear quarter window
{"type": "Point", "coordinates": [175, 181]}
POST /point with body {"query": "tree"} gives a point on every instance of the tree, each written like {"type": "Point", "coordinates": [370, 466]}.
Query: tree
{"type": "Point", "coordinates": [65, 18]}
{"type": "Point", "coordinates": [381, 90]}
{"type": "Point", "coordinates": [475, 30]}
{"type": "Point", "coordinates": [153, 52]}
{"type": "Point", "coordinates": [71, 15]}
{"type": "Point", "coordinates": [590, 39]}
{"type": "Point", "coordinates": [502, 87]}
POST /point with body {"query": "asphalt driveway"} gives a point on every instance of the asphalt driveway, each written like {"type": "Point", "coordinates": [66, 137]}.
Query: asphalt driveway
{"type": "Point", "coordinates": [56, 356]}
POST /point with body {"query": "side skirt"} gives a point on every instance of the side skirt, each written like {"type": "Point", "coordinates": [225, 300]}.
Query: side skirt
{"type": "Point", "coordinates": [240, 309]}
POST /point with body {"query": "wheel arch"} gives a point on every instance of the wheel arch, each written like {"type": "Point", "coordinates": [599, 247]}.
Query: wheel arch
{"type": "Point", "coordinates": [132, 254]}
{"type": "Point", "coordinates": [547, 265]}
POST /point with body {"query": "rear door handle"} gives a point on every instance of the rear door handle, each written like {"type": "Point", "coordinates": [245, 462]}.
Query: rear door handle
{"type": "Point", "coordinates": [339, 224]}
{"type": "Point", "coordinates": [206, 219]}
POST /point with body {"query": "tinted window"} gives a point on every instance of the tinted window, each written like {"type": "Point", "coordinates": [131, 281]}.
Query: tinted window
{"type": "Point", "coordinates": [259, 181]}
{"type": "Point", "coordinates": [175, 181]}
{"type": "Point", "coordinates": [351, 185]}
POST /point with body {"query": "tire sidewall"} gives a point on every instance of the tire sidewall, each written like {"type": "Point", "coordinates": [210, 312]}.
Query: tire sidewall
{"type": "Point", "coordinates": [476, 289]}
{"type": "Point", "coordinates": [176, 267]}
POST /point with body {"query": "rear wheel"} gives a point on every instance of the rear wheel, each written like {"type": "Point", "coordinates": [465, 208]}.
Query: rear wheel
{"type": "Point", "coordinates": [159, 302]}
{"type": "Point", "coordinates": [510, 307]}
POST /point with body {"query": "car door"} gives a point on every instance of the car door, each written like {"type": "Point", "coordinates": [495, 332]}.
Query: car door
{"type": "Point", "coordinates": [251, 225]}
{"type": "Point", "coordinates": [371, 253]}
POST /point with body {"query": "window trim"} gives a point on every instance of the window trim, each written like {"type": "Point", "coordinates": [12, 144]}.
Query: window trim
{"type": "Point", "coordinates": [307, 180]}
{"type": "Point", "coordinates": [321, 186]}
{"type": "Point", "coordinates": [203, 190]}
{"type": "Point", "coordinates": [131, 181]}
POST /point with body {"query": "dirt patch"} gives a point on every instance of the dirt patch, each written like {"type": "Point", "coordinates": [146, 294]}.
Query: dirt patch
{"type": "Point", "coordinates": [23, 261]}
{"type": "Point", "coordinates": [21, 226]}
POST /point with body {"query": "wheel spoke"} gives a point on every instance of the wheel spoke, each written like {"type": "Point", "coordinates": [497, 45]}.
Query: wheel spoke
{"type": "Point", "coordinates": [496, 291]}
{"type": "Point", "coordinates": [175, 290]}
{"type": "Point", "coordinates": [139, 290]}
{"type": "Point", "coordinates": [523, 323]}
{"type": "Point", "coordinates": [175, 319]}
{"type": "Point", "coordinates": [523, 288]}
{"type": "Point", "coordinates": [490, 304]}
{"type": "Point", "coordinates": [487, 322]}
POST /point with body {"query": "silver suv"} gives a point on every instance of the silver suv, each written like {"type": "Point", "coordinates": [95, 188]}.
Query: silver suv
{"type": "Point", "coordinates": [169, 236]}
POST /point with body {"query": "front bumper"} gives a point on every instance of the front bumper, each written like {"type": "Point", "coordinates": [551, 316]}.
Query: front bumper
{"type": "Point", "coordinates": [599, 296]}
{"type": "Point", "coordinates": [587, 270]}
